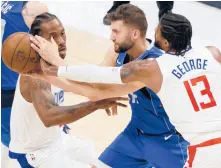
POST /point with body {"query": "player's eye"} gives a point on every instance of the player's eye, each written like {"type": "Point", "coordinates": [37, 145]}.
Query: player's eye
{"type": "Point", "coordinates": [63, 33]}
{"type": "Point", "coordinates": [52, 35]}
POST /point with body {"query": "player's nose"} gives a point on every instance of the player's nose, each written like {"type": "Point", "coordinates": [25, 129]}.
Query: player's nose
{"type": "Point", "coordinates": [112, 37]}
{"type": "Point", "coordinates": [61, 41]}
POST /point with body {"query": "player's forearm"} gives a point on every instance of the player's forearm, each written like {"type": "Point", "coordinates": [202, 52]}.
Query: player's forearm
{"type": "Point", "coordinates": [94, 92]}
{"type": "Point", "coordinates": [59, 115]}
{"type": "Point", "coordinates": [89, 73]}
{"type": "Point", "coordinates": [127, 73]}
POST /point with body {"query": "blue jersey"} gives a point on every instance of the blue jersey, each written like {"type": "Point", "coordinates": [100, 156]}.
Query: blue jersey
{"type": "Point", "coordinates": [148, 113]}
{"type": "Point", "coordinates": [11, 13]}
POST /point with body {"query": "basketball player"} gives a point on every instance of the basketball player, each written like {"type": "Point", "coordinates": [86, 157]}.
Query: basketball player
{"type": "Point", "coordinates": [36, 139]}
{"type": "Point", "coordinates": [186, 80]}
{"type": "Point", "coordinates": [163, 6]}
{"type": "Point", "coordinates": [18, 16]}
{"type": "Point", "coordinates": [149, 124]}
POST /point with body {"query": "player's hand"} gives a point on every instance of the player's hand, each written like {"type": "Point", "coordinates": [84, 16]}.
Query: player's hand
{"type": "Point", "coordinates": [109, 103]}
{"type": "Point", "coordinates": [111, 111]}
{"type": "Point", "coordinates": [48, 50]}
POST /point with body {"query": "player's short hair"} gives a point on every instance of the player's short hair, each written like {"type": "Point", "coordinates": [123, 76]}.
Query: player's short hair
{"type": "Point", "coordinates": [42, 18]}
{"type": "Point", "coordinates": [132, 15]}
{"type": "Point", "coordinates": [177, 30]}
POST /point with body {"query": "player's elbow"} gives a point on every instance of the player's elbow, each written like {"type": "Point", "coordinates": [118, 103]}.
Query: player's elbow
{"type": "Point", "coordinates": [49, 119]}
{"type": "Point", "coordinates": [46, 123]}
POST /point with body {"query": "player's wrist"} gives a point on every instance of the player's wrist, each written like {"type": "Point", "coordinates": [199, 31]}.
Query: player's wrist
{"type": "Point", "coordinates": [51, 71]}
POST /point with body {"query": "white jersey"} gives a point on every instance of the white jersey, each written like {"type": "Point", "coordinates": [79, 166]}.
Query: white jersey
{"type": "Point", "coordinates": [28, 132]}
{"type": "Point", "coordinates": [191, 94]}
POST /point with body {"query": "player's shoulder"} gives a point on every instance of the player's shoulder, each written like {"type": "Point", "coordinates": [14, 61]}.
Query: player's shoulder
{"type": "Point", "coordinates": [33, 84]}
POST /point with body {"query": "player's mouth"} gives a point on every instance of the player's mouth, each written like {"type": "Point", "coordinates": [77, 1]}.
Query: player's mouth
{"type": "Point", "coordinates": [62, 48]}
{"type": "Point", "coordinates": [62, 51]}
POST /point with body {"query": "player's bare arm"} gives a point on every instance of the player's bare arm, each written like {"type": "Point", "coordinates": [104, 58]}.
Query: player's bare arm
{"type": "Point", "coordinates": [110, 58]}
{"type": "Point", "coordinates": [215, 52]}
{"type": "Point", "coordinates": [92, 91]}
{"type": "Point", "coordinates": [31, 10]}
{"type": "Point", "coordinates": [143, 71]}
{"type": "Point", "coordinates": [51, 115]}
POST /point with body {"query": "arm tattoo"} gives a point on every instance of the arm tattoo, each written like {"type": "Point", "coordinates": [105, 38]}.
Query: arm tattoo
{"type": "Point", "coordinates": [133, 70]}
{"type": "Point", "coordinates": [127, 70]}
{"type": "Point", "coordinates": [44, 85]}
{"type": "Point", "coordinates": [36, 84]}
{"type": "Point", "coordinates": [46, 100]}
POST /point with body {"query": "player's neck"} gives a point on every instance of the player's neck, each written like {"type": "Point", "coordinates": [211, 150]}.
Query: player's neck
{"type": "Point", "coordinates": [138, 49]}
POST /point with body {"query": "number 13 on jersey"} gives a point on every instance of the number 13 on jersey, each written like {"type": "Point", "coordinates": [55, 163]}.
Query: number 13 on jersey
{"type": "Point", "coordinates": [193, 82]}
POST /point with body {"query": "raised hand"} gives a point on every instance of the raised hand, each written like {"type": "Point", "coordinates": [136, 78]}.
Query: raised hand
{"type": "Point", "coordinates": [48, 50]}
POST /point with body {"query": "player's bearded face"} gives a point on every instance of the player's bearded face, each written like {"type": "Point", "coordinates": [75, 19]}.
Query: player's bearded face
{"type": "Point", "coordinates": [157, 44]}
{"type": "Point", "coordinates": [158, 40]}
{"type": "Point", "coordinates": [121, 37]}
{"type": "Point", "coordinates": [124, 46]}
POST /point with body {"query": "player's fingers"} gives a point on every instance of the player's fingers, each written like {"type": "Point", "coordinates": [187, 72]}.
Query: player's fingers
{"type": "Point", "coordinates": [35, 48]}
{"type": "Point", "coordinates": [108, 111]}
{"type": "Point", "coordinates": [34, 41]}
{"type": "Point", "coordinates": [114, 110]}
{"type": "Point", "coordinates": [40, 39]}
{"type": "Point", "coordinates": [53, 42]}
{"type": "Point", "coordinates": [120, 104]}
{"type": "Point", "coordinates": [120, 99]}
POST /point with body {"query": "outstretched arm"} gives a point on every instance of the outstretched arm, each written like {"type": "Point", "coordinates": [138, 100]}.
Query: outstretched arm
{"type": "Point", "coordinates": [92, 91]}
{"type": "Point", "coordinates": [140, 72]}
{"type": "Point", "coordinates": [95, 91]}
{"type": "Point", "coordinates": [52, 115]}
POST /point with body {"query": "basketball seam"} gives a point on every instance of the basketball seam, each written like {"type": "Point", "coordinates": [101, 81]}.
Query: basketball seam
{"type": "Point", "coordinates": [28, 57]}
{"type": "Point", "coordinates": [7, 39]}
{"type": "Point", "coordinates": [12, 35]}
{"type": "Point", "coordinates": [15, 50]}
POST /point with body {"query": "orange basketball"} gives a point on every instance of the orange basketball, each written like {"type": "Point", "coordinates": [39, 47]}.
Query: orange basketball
{"type": "Point", "coordinates": [17, 53]}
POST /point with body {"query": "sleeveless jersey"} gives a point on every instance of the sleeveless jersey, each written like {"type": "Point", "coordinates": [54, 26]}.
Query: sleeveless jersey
{"type": "Point", "coordinates": [148, 113]}
{"type": "Point", "coordinates": [191, 94]}
{"type": "Point", "coordinates": [28, 132]}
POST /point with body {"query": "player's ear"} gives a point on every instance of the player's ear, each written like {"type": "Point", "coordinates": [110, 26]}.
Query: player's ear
{"type": "Point", "coordinates": [136, 34]}
{"type": "Point", "coordinates": [166, 44]}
